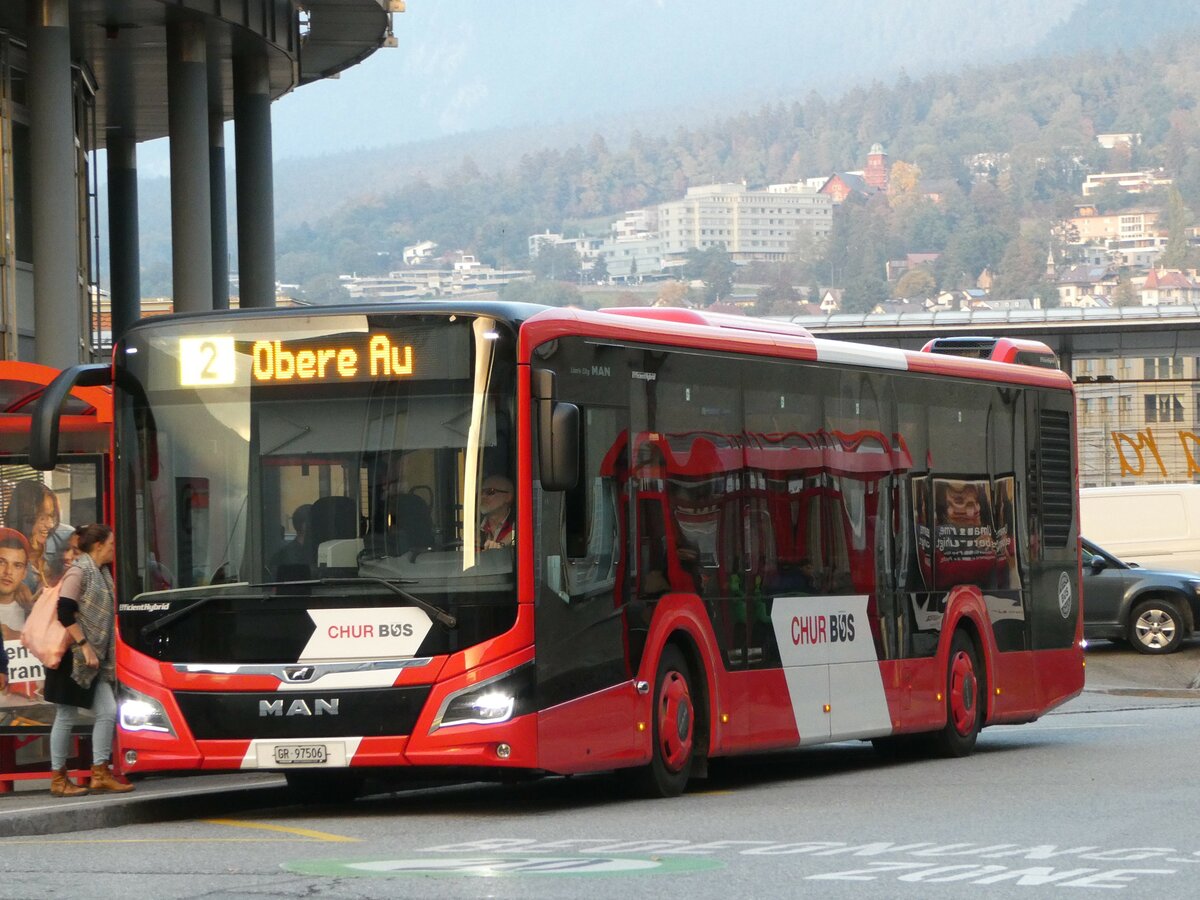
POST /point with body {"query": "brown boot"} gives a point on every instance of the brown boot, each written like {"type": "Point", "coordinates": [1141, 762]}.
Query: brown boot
{"type": "Point", "coordinates": [62, 786]}
{"type": "Point", "coordinates": [103, 780]}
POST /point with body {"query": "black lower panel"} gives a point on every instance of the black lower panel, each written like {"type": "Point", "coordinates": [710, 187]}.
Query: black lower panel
{"type": "Point", "coordinates": [302, 714]}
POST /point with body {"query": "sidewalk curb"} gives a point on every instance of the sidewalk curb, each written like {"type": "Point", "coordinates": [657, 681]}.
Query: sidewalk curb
{"type": "Point", "coordinates": [43, 815]}
{"type": "Point", "coordinates": [1166, 693]}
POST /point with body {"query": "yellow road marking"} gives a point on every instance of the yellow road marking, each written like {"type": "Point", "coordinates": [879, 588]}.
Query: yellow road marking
{"type": "Point", "coordinates": [301, 832]}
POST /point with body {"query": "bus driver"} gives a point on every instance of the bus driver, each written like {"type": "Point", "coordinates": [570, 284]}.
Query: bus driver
{"type": "Point", "coordinates": [495, 506]}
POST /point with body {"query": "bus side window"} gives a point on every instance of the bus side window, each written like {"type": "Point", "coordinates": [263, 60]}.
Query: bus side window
{"type": "Point", "coordinates": [590, 509]}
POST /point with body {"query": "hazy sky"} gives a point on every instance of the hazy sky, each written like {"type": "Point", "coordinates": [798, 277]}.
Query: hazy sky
{"type": "Point", "coordinates": [471, 65]}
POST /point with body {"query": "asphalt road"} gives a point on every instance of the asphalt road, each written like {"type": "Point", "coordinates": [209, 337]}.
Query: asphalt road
{"type": "Point", "coordinates": [1097, 797]}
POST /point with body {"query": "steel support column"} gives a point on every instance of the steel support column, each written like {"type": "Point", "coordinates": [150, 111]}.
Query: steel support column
{"type": "Point", "coordinates": [124, 261]}
{"type": "Point", "coordinates": [191, 196]}
{"type": "Point", "coordinates": [255, 180]}
{"type": "Point", "coordinates": [58, 307]}
{"type": "Point", "coordinates": [220, 212]}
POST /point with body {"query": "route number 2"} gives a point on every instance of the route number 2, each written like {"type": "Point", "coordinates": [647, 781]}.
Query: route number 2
{"type": "Point", "coordinates": [207, 361]}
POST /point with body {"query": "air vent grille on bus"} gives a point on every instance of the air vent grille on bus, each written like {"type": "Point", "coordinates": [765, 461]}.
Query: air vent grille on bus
{"type": "Point", "coordinates": [974, 348]}
{"type": "Point", "coordinates": [1057, 483]}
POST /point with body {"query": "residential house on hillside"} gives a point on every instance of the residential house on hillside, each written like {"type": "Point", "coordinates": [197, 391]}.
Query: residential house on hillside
{"type": "Point", "coordinates": [1082, 286]}
{"type": "Point", "coordinates": [1111, 141]}
{"type": "Point", "coordinates": [894, 269]}
{"type": "Point", "coordinates": [970, 298]}
{"type": "Point", "coordinates": [420, 252]}
{"type": "Point", "coordinates": [841, 185]}
{"type": "Point", "coordinates": [1168, 287]}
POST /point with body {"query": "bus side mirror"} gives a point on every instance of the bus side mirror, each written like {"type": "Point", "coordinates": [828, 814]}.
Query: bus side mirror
{"type": "Point", "coordinates": [558, 435]}
{"type": "Point", "coordinates": [47, 412]}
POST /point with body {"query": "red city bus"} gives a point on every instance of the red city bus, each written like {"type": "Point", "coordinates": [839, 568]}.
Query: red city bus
{"type": "Point", "coordinates": [76, 490]}
{"type": "Point", "coordinates": [705, 536]}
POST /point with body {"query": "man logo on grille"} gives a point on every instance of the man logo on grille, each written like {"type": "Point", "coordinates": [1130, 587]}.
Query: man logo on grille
{"type": "Point", "coordinates": [299, 707]}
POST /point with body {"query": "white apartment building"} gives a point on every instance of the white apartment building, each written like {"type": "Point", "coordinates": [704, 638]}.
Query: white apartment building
{"type": "Point", "coordinates": [586, 246]}
{"type": "Point", "coordinates": [1131, 237]}
{"type": "Point", "coordinates": [1129, 182]}
{"type": "Point", "coordinates": [632, 256]}
{"type": "Point", "coordinates": [752, 224]}
{"type": "Point", "coordinates": [468, 276]}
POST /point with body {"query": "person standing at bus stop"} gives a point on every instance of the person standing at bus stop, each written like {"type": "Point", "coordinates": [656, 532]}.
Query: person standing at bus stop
{"type": "Point", "coordinates": [86, 677]}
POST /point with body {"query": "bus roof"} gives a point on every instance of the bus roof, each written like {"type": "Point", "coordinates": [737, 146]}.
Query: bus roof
{"type": "Point", "coordinates": [733, 334]}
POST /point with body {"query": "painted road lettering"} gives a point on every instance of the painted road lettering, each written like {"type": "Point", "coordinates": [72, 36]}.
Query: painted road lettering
{"type": "Point", "coordinates": [926, 862]}
{"type": "Point", "coordinates": [501, 866]}
{"type": "Point", "coordinates": [931, 873]}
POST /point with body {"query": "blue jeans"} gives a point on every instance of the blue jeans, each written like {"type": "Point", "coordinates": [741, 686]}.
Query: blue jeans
{"type": "Point", "coordinates": [104, 708]}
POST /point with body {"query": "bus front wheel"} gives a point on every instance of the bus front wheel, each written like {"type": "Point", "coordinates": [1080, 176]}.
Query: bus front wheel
{"type": "Point", "coordinates": [673, 723]}
{"type": "Point", "coordinates": [964, 699]}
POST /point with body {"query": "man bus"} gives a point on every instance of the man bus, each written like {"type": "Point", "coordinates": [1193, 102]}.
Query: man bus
{"type": "Point", "coordinates": [728, 536]}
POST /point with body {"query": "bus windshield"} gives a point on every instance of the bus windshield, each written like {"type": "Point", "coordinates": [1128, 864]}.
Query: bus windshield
{"type": "Point", "coordinates": [293, 462]}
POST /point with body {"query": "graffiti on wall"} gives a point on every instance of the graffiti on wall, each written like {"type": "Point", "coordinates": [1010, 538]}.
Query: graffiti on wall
{"type": "Point", "coordinates": [1139, 454]}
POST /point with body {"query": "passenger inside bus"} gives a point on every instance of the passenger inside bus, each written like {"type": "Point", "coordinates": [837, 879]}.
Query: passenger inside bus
{"type": "Point", "coordinates": [402, 520]}
{"type": "Point", "coordinates": [291, 560]}
{"type": "Point", "coordinates": [331, 519]}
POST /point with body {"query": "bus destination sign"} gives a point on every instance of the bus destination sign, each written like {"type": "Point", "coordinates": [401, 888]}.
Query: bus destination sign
{"type": "Point", "coordinates": [212, 361]}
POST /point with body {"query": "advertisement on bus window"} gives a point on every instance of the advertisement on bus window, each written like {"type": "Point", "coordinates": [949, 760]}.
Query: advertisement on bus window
{"type": "Point", "coordinates": [965, 531]}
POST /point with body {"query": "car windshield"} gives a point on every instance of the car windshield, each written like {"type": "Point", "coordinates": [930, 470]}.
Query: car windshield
{"type": "Point", "coordinates": [296, 462]}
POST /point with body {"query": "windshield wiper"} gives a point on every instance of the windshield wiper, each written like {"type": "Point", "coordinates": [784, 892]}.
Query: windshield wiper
{"type": "Point", "coordinates": [171, 617]}
{"type": "Point", "coordinates": [393, 585]}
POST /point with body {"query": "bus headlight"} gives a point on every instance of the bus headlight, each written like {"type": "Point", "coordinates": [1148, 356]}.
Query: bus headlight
{"type": "Point", "coordinates": [490, 702]}
{"type": "Point", "coordinates": [137, 712]}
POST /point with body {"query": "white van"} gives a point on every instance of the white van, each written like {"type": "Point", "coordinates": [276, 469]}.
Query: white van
{"type": "Point", "coordinates": [1154, 525]}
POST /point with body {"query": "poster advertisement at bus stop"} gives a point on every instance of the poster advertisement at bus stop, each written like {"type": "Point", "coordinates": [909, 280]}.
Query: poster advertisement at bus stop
{"type": "Point", "coordinates": [36, 548]}
{"type": "Point", "coordinates": [22, 706]}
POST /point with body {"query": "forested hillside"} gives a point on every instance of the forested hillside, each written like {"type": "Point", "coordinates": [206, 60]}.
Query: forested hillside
{"type": "Point", "coordinates": [1043, 114]}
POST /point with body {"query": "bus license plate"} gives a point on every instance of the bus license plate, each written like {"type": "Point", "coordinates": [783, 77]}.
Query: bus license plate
{"type": "Point", "coordinates": [301, 754]}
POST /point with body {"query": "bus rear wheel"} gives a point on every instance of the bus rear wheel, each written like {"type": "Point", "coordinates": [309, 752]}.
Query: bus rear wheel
{"type": "Point", "coordinates": [673, 723]}
{"type": "Point", "coordinates": [964, 699]}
